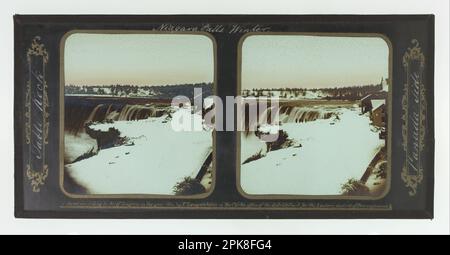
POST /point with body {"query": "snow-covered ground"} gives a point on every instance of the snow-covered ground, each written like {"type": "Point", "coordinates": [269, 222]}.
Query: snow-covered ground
{"type": "Point", "coordinates": [332, 151]}
{"type": "Point", "coordinates": [159, 158]}
{"type": "Point", "coordinates": [77, 145]}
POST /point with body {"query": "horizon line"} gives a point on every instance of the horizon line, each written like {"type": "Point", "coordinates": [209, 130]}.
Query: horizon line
{"type": "Point", "coordinates": [138, 85]}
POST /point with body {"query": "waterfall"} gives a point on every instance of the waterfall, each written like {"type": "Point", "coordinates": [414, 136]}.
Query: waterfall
{"type": "Point", "coordinates": [108, 111]}
{"type": "Point", "coordinates": [78, 114]}
{"type": "Point", "coordinates": [290, 114]}
{"type": "Point", "coordinates": [126, 112]}
{"type": "Point", "coordinates": [93, 113]}
{"type": "Point", "coordinates": [286, 114]}
{"type": "Point", "coordinates": [136, 112]}
{"type": "Point", "coordinates": [103, 112]}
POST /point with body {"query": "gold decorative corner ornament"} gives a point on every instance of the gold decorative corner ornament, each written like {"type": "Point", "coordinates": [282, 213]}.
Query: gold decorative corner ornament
{"type": "Point", "coordinates": [36, 114]}
{"type": "Point", "coordinates": [414, 105]}
{"type": "Point", "coordinates": [37, 178]}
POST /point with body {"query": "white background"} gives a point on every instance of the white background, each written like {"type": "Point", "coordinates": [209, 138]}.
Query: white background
{"type": "Point", "coordinates": [8, 224]}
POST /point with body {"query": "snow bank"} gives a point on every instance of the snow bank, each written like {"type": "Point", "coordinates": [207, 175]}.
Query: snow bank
{"type": "Point", "coordinates": [208, 102]}
{"type": "Point", "coordinates": [269, 129]}
{"type": "Point", "coordinates": [251, 145]}
{"type": "Point", "coordinates": [159, 158]}
{"type": "Point", "coordinates": [77, 145]}
{"type": "Point", "coordinates": [333, 150]}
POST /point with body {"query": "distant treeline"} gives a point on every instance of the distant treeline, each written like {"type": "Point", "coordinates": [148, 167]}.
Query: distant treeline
{"type": "Point", "coordinates": [354, 92]}
{"type": "Point", "coordinates": [345, 93]}
{"type": "Point", "coordinates": [157, 92]}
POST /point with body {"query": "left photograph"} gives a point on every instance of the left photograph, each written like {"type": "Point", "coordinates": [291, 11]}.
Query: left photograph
{"type": "Point", "coordinates": [125, 96]}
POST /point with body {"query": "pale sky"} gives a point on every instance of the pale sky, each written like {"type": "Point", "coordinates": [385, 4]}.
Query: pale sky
{"type": "Point", "coordinates": [138, 59]}
{"type": "Point", "coordinates": [275, 61]}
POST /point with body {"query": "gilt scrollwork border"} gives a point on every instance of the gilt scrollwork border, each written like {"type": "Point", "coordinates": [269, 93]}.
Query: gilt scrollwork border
{"type": "Point", "coordinates": [36, 52]}
{"type": "Point", "coordinates": [414, 178]}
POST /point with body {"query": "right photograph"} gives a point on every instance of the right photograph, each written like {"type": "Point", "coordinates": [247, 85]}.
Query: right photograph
{"type": "Point", "coordinates": [331, 97]}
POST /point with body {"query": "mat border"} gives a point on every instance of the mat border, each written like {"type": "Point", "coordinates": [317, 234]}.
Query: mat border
{"type": "Point", "coordinates": [423, 209]}
{"type": "Point", "coordinates": [62, 107]}
{"type": "Point", "coordinates": [389, 104]}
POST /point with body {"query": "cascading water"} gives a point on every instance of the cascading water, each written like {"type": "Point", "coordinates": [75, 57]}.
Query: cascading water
{"type": "Point", "coordinates": [77, 115]}
{"type": "Point", "coordinates": [136, 112]}
{"type": "Point", "coordinates": [271, 119]}
{"type": "Point", "coordinates": [93, 113]}
{"type": "Point", "coordinates": [286, 114]}
{"type": "Point", "coordinates": [289, 114]}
